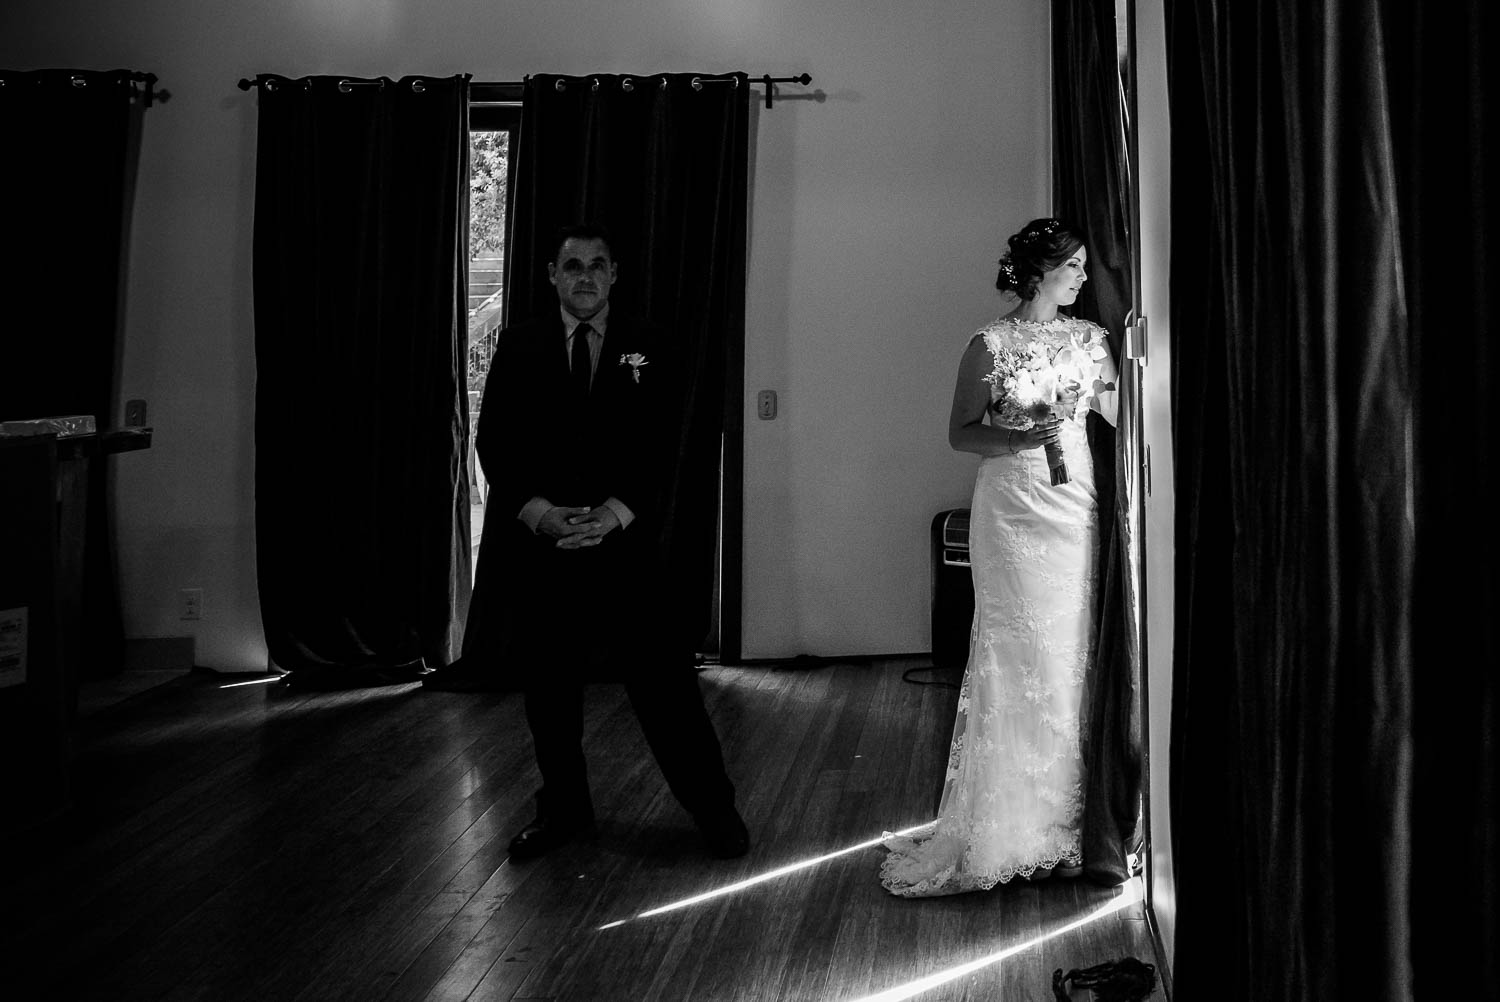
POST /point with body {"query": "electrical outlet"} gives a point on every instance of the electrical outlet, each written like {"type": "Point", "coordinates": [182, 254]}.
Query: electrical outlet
{"type": "Point", "coordinates": [765, 405]}
{"type": "Point", "coordinates": [190, 603]}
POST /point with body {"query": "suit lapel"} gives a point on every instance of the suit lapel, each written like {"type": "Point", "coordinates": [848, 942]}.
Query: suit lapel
{"type": "Point", "coordinates": [551, 363]}
{"type": "Point", "coordinates": [607, 375]}
{"type": "Point", "coordinates": [550, 352]}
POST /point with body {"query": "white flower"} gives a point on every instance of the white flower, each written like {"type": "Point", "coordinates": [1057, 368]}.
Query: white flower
{"type": "Point", "coordinates": [635, 360]}
{"type": "Point", "coordinates": [1026, 388]}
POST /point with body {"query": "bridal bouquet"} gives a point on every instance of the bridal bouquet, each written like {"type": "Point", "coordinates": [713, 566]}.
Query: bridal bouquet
{"type": "Point", "coordinates": [1038, 381]}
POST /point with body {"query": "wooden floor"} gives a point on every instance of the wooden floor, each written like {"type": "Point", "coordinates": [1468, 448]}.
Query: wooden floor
{"type": "Point", "coordinates": [259, 843]}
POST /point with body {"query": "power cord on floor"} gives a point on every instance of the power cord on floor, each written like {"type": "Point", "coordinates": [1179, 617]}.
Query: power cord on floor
{"type": "Point", "coordinates": [906, 676]}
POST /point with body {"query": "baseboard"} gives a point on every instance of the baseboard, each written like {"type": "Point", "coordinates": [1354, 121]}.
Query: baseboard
{"type": "Point", "coordinates": [158, 654]}
{"type": "Point", "coordinates": [820, 661]}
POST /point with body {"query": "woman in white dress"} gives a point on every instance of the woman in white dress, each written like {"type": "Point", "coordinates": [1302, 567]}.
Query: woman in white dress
{"type": "Point", "coordinates": [1012, 802]}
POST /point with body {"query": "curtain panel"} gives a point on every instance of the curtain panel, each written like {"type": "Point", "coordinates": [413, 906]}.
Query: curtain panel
{"type": "Point", "coordinates": [1334, 717]}
{"type": "Point", "coordinates": [68, 180]}
{"type": "Point", "coordinates": [1444, 122]}
{"type": "Point", "coordinates": [361, 346]}
{"type": "Point", "coordinates": [1091, 190]}
{"type": "Point", "coordinates": [663, 163]}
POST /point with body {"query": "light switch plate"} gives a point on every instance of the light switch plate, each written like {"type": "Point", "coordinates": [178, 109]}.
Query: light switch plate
{"type": "Point", "coordinates": [765, 405]}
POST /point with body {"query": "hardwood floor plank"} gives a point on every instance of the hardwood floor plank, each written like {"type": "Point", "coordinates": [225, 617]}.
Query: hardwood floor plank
{"type": "Point", "coordinates": [248, 844]}
{"type": "Point", "coordinates": [467, 863]}
{"type": "Point", "coordinates": [451, 866]}
{"type": "Point", "coordinates": [636, 810]}
{"type": "Point", "coordinates": [120, 809]}
{"type": "Point", "coordinates": [156, 895]}
{"type": "Point", "coordinates": [471, 941]}
{"type": "Point", "coordinates": [308, 881]}
{"type": "Point", "coordinates": [289, 841]}
{"type": "Point", "coordinates": [869, 801]}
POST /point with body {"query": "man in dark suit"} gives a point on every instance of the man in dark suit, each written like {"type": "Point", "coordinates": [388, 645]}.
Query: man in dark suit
{"type": "Point", "coordinates": [576, 435]}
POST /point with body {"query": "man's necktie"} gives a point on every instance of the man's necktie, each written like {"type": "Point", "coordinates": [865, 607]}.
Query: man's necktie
{"type": "Point", "coordinates": [582, 364]}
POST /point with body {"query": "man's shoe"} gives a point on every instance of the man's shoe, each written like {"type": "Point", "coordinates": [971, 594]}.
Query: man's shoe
{"type": "Point", "coordinates": [724, 833]}
{"type": "Point", "coordinates": [545, 834]}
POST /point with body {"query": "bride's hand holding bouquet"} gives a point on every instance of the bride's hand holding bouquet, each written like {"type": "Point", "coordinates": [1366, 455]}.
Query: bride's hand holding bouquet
{"type": "Point", "coordinates": [1045, 415]}
{"type": "Point", "coordinates": [1043, 434]}
{"type": "Point", "coordinates": [1044, 389]}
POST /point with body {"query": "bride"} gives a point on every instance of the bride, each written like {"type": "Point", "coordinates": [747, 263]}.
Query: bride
{"type": "Point", "coordinates": [1012, 801]}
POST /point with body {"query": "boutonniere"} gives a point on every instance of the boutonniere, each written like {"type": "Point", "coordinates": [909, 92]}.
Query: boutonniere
{"type": "Point", "coordinates": [635, 360]}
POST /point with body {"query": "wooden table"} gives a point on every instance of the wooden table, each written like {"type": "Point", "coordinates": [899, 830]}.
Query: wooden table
{"type": "Point", "coordinates": [44, 490]}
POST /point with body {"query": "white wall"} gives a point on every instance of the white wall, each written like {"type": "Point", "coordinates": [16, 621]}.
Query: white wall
{"type": "Point", "coordinates": [878, 211]}
{"type": "Point", "coordinates": [1154, 124]}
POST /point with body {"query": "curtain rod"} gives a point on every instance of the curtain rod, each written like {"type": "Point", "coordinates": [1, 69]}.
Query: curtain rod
{"type": "Point", "coordinates": [77, 78]}
{"type": "Point", "coordinates": [347, 84]}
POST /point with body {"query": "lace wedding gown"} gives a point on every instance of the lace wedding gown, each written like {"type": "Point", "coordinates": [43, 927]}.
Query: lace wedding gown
{"type": "Point", "coordinates": [1012, 800]}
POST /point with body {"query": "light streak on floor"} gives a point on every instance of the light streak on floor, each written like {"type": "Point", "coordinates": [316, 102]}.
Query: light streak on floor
{"type": "Point", "coordinates": [761, 878]}
{"type": "Point", "coordinates": [253, 681]}
{"type": "Point", "coordinates": [1129, 894]}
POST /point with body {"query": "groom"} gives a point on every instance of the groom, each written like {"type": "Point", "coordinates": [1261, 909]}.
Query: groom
{"type": "Point", "coordinates": [576, 435]}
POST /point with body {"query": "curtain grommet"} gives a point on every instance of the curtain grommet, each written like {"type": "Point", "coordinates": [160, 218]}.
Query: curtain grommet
{"type": "Point", "coordinates": [697, 83]}
{"type": "Point", "coordinates": [78, 82]}
{"type": "Point", "coordinates": [662, 84]}
{"type": "Point", "coordinates": [344, 87]}
{"type": "Point", "coordinates": [595, 85]}
{"type": "Point", "coordinates": [560, 85]}
{"type": "Point", "coordinates": [627, 85]}
{"type": "Point", "coordinates": [418, 87]}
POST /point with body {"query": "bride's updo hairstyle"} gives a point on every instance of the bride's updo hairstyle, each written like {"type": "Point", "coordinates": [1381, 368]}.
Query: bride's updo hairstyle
{"type": "Point", "coordinates": [1042, 245]}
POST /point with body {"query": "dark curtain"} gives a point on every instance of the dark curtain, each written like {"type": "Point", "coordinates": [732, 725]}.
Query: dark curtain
{"type": "Point", "coordinates": [1091, 190]}
{"type": "Point", "coordinates": [1333, 761]}
{"type": "Point", "coordinates": [1445, 123]}
{"type": "Point", "coordinates": [361, 349]}
{"type": "Point", "coordinates": [68, 178]}
{"type": "Point", "coordinates": [662, 162]}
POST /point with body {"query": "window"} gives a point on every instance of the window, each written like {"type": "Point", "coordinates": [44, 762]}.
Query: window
{"type": "Point", "coordinates": [494, 131]}
{"type": "Point", "coordinates": [494, 127]}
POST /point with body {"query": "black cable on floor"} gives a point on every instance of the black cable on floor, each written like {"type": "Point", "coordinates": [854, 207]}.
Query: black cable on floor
{"type": "Point", "coordinates": [906, 677]}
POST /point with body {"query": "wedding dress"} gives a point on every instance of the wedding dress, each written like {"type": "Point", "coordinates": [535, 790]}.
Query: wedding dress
{"type": "Point", "coordinates": [1012, 800]}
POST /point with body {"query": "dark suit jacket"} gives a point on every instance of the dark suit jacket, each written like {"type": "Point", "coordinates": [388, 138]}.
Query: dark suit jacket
{"type": "Point", "coordinates": [536, 607]}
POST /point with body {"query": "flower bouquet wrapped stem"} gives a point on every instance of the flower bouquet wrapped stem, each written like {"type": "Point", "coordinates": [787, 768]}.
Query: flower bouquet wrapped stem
{"type": "Point", "coordinates": [1039, 384]}
{"type": "Point", "coordinates": [1056, 465]}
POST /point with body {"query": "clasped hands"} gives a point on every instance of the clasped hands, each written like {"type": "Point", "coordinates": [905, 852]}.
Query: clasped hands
{"type": "Point", "coordinates": [577, 528]}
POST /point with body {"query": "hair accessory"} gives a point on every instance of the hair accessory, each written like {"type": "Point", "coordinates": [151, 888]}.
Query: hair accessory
{"type": "Point", "coordinates": [1008, 270]}
{"type": "Point", "coordinates": [1047, 228]}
